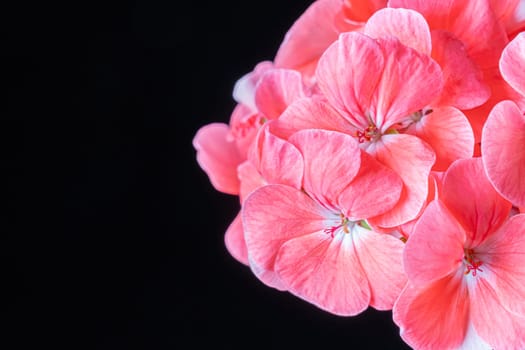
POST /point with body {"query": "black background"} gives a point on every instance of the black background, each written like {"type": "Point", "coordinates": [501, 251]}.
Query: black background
{"type": "Point", "coordinates": [114, 236]}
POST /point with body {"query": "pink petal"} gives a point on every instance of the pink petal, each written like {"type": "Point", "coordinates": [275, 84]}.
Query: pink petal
{"type": "Point", "coordinates": [326, 272]}
{"type": "Point", "coordinates": [274, 214]}
{"type": "Point", "coordinates": [503, 150]}
{"type": "Point", "coordinates": [503, 9]}
{"type": "Point", "coordinates": [410, 81]}
{"type": "Point", "coordinates": [310, 113]}
{"type": "Point", "coordinates": [309, 37]}
{"type": "Point", "coordinates": [374, 190]}
{"type": "Point", "coordinates": [250, 178]}
{"type": "Point", "coordinates": [268, 277]}
{"type": "Point", "coordinates": [244, 89]}
{"type": "Point", "coordinates": [411, 159]}
{"type": "Point", "coordinates": [497, 326]}
{"type": "Point", "coordinates": [276, 90]}
{"type": "Point", "coordinates": [470, 197]}
{"type": "Point", "coordinates": [512, 61]}
{"type": "Point", "coordinates": [277, 160]}
{"type": "Point", "coordinates": [381, 257]}
{"type": "Point", "coordinates": [218, 156]}
{"type": "Point", "coordinates": [331, 161]}
{"type": "Point", "coordinates": [406, 25]}
{"type": "Point", "coordinates": [234, 240]}
{"type": "Point", "coordinates": [448, 132]}
{"type": "Point", "coordinates": [464, 87]}
{"type": "Point", "coordinates": [244, 123]}
{"type": "Point", "coordinates": [504, 254]}
{"type": "Point", "coordinates": [360, 11]}
{"type": "Point", "coordinates": [348, 74]}
{"type": "Point", "coordinates": [435, 247]}
{"type": "Point", "coordinates": [435, 316]}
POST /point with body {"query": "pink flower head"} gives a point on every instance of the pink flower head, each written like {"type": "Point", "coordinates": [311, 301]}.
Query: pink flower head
{"type": "Point", "coordinates": [464, 262]}
{"type": "Point", "coordinates": [360, 79]}
{"type": "Point", "coordinates": [503, 139]}
{"type": "Point", "coordinates": [316, 239]}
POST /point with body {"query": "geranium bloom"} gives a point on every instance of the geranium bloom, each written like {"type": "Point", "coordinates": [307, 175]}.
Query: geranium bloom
{"type": "Point", "coordinates": [360, 79]}
{"type": "Point", "coordinates": [316, 240]}
{"type": "Point", "coordinates": [503, 146]}
{"type": "Point", "coordinates": [464, 262]}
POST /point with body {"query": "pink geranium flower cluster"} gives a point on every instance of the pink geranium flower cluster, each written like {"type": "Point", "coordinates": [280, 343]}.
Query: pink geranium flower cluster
{"type": "Point", "coordinates": [379, 161]}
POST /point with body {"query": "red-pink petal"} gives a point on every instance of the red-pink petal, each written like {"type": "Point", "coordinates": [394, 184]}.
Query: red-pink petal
{"type": "Point", "coordinates": [374, 190]}
{"type": "Point", "coordinates": [381, 257]}
{"type": "Point", "coordinates": [494, 324]}
{"type": "Point", "coordinates": [218, 156]}
{"type": "Point", "coordinates": [472, 200]}
{"type": "Point", "coordinates": [326, 272]}
{"type": "Point", "coordinates": [435, 247]}
{"type": "Point", "coordinates": [411, 159]}
{"type": "Point", "coordinates": [277, 160]}
{"type": "Point", "coordinates": [408, 26]}
{"type": "Point", "coordinates": [481, 33]}
{"type": "Point", "coordinates": [310, 113]}
{"type": "Point", "coordinates": [512, 62]}
{"type": "Point", "coordinates": [359, 10]}
{"type": "Point", "coordinates": [448, 132]}
{"type": "Point", "coordinates": [276, 90]}
{"type": "Point", "coordinates": [503, 151]}
{"type": "Point", "coordinates": [464, 87]}
{"type": "Point", "coordinates": [244, 123]}
{"type": "Point", "coordinates": [274, 214]}
{"type": "Point", "coordinates": [435, 316]}
{"type": "Point", "coordinates": [504, 254]}
{"type": "Point", "coordinates": [348, 74]}
{"type": "Point", "coordinates": [250, 178]}
{"type": "Point", "coordinates": [268, 277]}
{"type": "Point", "coordinates": [234, 240]}
{"type": "Point", "coordinates": [409, 82]}
{"type": "Point", "coordinates": [309, 37]}
{"type": "Point", "coordinates": [331, 161]}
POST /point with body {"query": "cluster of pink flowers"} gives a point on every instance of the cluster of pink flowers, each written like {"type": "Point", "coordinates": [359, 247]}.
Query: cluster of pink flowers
{"type": "Point", "coordinates": [380, 161]}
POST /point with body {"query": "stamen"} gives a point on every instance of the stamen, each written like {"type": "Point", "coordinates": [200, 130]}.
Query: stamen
{"type": "Point", "coordinates": [344, 224]}
{"type": "Point", "coordinates": [471, 263]}
{"type": "Point", "coordinates": [368, 134]}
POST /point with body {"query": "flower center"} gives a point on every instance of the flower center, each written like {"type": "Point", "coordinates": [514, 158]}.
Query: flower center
{"type": "Point", "coordinates": [371, 133]}
{"type": "Point", "coordinates": [344, 225]}
{"type": "Point", "coordinates": [471, 263]}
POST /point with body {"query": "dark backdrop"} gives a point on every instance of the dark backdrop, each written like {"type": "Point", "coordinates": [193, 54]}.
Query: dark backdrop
{"type": "Point", "coordinates": [115, 236]}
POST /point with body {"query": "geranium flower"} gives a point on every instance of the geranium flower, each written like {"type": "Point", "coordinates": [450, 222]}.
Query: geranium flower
{"type": "Point", "coordinates": [316, 239]}
{"type": "Point", "coordinates": [361, 78]}
{"type": "Point", "coordinates": [464, 261]}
